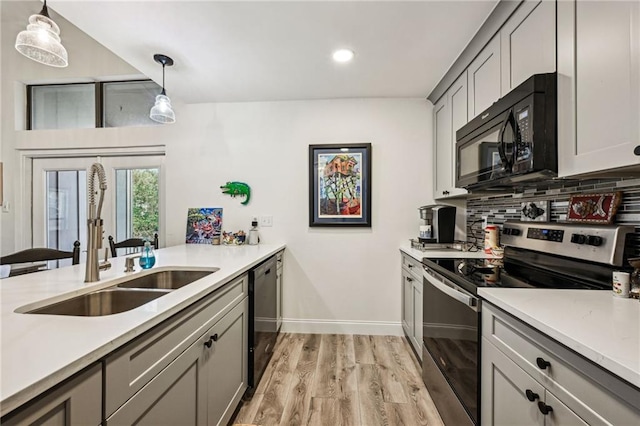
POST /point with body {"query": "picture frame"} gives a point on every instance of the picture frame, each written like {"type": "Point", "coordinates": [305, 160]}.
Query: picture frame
{"type": "Point", "coordinates": [340, 185]}
{"type": "Point", "coordinates": [594, 208]}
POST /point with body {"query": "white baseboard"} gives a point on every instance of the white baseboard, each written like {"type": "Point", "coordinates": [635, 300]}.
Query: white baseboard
{"type": "Point", "coordinates": [317, 326]}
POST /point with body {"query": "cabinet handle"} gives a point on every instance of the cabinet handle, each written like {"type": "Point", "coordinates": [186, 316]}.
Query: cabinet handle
{"type": "Point", "coordinates": [409, 279]}
{"type": "Point", "coordinates": [542, 363]}
{"type": "Point", "coordinates": [531, 396]}
{"type": "Point", "coordinates": [215, 337]}
{"type": "Point", "coordinates": [268, 271]}
{"type": "Point", "coordinates": [409, 265]}
{"type": "Point", "coordinates": [544, 408]}
{"type": "Point", "coordinates": [208, 343]}
{"type": "Point", "coordinates": [636, 150]}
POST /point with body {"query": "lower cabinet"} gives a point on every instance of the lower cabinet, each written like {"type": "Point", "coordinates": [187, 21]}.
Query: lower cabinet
{"type": "Point", "coordinates": [528, 378]}
{"type": "Point", "coordinates": [77, 401]}
{"type": "Point", "coordinates": [200, 387]}
{"type": "Point", "coordinates": [412, 302]}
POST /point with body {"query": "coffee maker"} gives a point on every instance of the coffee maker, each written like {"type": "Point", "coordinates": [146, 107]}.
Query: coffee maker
{"type": "Point", "coordinates": [439, 226]}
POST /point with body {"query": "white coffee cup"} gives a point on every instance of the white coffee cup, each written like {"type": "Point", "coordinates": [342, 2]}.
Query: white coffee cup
{"type": "Point", "coordinates": [5, 270]}
{"type": "Point", "coordinates": [620, 284]}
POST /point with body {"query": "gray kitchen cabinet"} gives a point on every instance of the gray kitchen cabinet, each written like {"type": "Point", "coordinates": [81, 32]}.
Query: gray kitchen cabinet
{"type": "Point", "coordinates": [483, 78]}
{"type": "Point", "coordinates": [131, 367]}
{"type": "Point", "coordinates": [528, 43]}
{"type": "Point", "coordinates": [598, 86]}
{"type": "Point", "coordinates": [524, 372]}
{"type": "Point", "coordinates": [77, 401]}
{"type": "Point", "coordinates": [450, 113]}
{"type": "Point", "coordinates": [412, 302]}
{"type": "Point", "coordinates": [200, 387]}
{"type": "Point", "coordinates": [279, 277]}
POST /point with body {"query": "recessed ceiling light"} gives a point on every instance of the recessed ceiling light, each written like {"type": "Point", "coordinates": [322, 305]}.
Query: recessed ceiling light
{"type": "Point", "coordinates": [343, 55]}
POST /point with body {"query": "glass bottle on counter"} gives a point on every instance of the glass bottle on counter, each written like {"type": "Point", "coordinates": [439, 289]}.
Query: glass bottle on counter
{"type": "Point", "coordinates": [148, 257]}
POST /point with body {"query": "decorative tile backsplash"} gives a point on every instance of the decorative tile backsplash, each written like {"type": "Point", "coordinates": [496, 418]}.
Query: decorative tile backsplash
{"type": "Point", "coordinates": [502, 207]}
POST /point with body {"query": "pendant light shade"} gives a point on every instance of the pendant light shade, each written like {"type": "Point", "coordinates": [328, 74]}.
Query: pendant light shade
{"type": "Point", "coordinates": [41, 40]}
{"type": "Point", "coordinates": [162, 111]}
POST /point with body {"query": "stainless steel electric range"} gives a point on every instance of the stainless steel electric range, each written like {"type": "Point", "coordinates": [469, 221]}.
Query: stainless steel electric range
{"type": "Point", "coordinates": [536, 255]}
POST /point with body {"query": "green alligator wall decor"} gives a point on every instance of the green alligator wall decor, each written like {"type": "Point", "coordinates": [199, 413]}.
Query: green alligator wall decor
{"type": "Point", "coordinates": [237, 188]}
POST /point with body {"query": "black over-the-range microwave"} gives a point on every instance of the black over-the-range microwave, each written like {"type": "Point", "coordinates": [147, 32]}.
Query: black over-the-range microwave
{"type": "Point", "coordinates": [513, 142]}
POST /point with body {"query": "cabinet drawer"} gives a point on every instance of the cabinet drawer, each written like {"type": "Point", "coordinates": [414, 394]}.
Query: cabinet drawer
{"type": "Point", "coordinates": [130, 368]}
{"type": "Point", "coordinates": [596, 395]}
{"type": "Point", "coordinates": [412, 266]}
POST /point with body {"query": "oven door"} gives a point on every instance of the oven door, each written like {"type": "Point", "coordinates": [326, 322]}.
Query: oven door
{"type": "Point", "coordinates": [451, 343]}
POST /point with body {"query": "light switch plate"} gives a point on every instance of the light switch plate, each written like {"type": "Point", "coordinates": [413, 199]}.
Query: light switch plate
{"type": "Point", "coordinates": [266, 221]}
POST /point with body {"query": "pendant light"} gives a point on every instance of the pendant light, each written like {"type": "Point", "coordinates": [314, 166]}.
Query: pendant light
{"type": "Point", "coordinates": [41, 40]}
{"type": "Point", "coordinates": [162, 111]}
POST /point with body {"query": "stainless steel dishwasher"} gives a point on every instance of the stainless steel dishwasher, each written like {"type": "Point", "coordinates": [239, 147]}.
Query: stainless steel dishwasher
{"type": "Point", "coordinates": [263, 326]}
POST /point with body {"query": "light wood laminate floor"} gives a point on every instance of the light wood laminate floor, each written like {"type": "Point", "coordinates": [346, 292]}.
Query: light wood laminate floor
{"type": "Point", "coordinates": [330, 380]}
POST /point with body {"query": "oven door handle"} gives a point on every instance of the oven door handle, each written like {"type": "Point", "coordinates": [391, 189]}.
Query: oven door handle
{"type": "Point", "coordinates": [467, 299]}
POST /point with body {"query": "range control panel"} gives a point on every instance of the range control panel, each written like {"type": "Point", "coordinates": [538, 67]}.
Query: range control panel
{"type": "Point", "coordinates": [545, 234]}
{"type": "Point", "coordinates": [597, 243]}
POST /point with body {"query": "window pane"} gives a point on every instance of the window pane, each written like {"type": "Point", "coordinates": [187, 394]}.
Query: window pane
{"type": "Point", "coordinates": [66, 211]}
{"type": "Point", "coordinates": [129, 103]}
{"type": "Point", "coordinates": [137, 203]}
{"type": "Point", "coordinates": [63, 106]}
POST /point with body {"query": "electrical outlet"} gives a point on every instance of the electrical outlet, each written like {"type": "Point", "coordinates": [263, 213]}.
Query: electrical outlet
{"type": "Point", "coordinates": [6, 207]}
{"type": "Point", "coordinates": [485, 220]}
{"type": "Point", "coordinates": [266, 221]}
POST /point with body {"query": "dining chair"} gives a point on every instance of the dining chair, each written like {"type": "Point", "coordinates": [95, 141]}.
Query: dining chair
{"type": "Point", "coordinates": [130, 243]}
{"type": "Point", "coordinates": [40, 254]}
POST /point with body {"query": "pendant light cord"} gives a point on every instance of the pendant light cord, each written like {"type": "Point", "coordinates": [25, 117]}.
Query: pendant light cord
{"type": "Point", "coordinates": [45, 11]}
{"type": "Point", "coordinates": [163, 91]}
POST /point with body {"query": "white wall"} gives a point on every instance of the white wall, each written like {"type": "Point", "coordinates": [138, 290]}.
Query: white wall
{"type": "Point", "coordinates": [344, 275]}
{"type": "Point", "coordinates": [335, 279]}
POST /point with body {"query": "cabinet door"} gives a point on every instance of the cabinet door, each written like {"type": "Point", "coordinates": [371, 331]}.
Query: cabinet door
{"type": "Point", "coordinates": [407, 304]}
{"type": "Point", "coordinates": [178, 395]}
{"type": "Point", "coordinates": [504, 391]}
{"type": "Point", "coordinates": [598, 85]}
{"type": "Point", "coordinates": [561, 414]}
{"type": "Point", "coordinates": [226, 364]}
{"type": "Point", "coordinates": [443, 159]}
{"type": "Point", "coordinates": [76, 402]}
{"type": "Point", "coordinates": [417, 317]}
{"type": "Point", "coordinates": [528, 43]}
{"type": "Point", "coordinates": [484, 78]}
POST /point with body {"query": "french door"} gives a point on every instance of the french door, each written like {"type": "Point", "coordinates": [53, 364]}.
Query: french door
{"type": "Point", "coordinates": [132, 201]}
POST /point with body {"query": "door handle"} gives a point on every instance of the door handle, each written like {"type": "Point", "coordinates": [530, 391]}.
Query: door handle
{"type": "Point", "coordinates": [507, 163]}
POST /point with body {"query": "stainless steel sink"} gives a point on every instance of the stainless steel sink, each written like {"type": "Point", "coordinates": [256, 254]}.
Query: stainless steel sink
{"type": "Point", "coordinates": [109, 301]}
{"type": "Point", "coordinates": [168, 280]}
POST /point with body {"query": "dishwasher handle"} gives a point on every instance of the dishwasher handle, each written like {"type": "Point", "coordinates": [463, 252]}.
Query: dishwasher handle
{"type": "Point", "coordinates": [467, 299]}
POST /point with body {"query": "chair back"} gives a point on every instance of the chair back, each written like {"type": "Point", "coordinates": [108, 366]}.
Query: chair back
{"type": "Point", "coordinates": [42, 255]}
{"type": "Point", "coordinates": [130, 243]}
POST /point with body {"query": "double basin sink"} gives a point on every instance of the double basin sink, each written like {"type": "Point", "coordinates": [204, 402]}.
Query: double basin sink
{"type": "Point", "coordinates": [126, 295]}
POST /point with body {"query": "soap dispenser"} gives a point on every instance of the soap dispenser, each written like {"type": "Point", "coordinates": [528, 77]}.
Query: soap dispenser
{"type": "Point", "coordinates": [148, 257]}
{"type": "Point", "coordinates": [253, 233]}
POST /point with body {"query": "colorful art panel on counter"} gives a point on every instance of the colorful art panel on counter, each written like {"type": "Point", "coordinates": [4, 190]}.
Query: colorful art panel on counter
{"type": "Point", "coordinates": [204, 225]}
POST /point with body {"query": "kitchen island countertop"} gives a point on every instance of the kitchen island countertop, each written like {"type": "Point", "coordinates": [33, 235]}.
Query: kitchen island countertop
{"type": "Point", "coordinates": [39, 351]}
{"type": "Point", "coordinates": [595, 324]}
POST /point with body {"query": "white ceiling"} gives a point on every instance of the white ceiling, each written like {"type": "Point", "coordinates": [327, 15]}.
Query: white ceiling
{"type": "Point", "coordinates": [265, 51]}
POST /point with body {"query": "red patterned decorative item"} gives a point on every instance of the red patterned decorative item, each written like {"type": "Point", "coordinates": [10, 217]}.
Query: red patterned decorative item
{"type": "Point", "coordinates": [594, 208]}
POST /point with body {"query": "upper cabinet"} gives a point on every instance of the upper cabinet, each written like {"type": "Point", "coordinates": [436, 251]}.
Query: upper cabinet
{"type": "Point", "coordinates": [528, 43]}
{"type": "Point", "coordinates": [449, 114]}
{"type": "Point", "coordinates": [483, 77]}
{"type": "Point", "coordinates": [598, 85]}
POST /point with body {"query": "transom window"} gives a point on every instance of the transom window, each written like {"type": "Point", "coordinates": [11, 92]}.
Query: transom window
{"type": "Point", "coordinates": [91, 105]}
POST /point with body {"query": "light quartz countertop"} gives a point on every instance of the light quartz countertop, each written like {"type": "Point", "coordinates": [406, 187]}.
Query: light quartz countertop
{"type": "Point", "coordinates": [39, 351]}
{"type": "Point", "coordinates": [600, 327]}
{"type": "Point", "coordinates": [419, 254]}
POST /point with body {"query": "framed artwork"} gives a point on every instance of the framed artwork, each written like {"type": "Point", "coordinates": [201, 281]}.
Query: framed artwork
{"type": "Point", "coordinates": [594, 208]}
{"type": "Point", "coordinates": [340, 185]}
